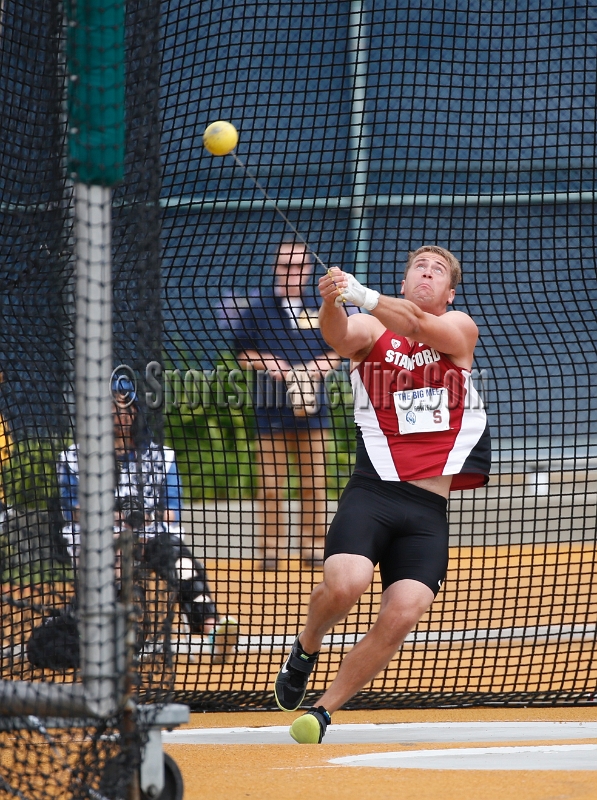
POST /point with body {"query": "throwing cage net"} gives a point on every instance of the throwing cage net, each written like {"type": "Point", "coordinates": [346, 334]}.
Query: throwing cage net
{"type": "Point", "coordinates": [197, 524]}
{"type": "Point", "coordinates": [87, 590]}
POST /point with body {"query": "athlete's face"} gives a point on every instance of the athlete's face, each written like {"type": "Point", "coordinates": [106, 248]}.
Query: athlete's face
{"type": "Point", "coordinates": [427, 283]}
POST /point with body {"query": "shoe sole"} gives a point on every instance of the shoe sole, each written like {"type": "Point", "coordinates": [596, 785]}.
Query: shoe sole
{"type": "Point", "coordinates": [225, 639]}
{"type": "Point", "coordinates": [306, 730]}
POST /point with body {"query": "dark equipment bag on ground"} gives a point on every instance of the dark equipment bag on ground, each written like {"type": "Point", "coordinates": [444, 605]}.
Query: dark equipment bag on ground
{"type": "Point", "coordinates": [55, 643]}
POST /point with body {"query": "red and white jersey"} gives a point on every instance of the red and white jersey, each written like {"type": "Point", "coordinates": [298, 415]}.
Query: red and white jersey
{"type": "Point", "coordinates": [419, 416]}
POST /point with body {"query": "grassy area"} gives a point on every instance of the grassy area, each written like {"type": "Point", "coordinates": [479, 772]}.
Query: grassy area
{"type": "Point", "coordinates": [31, 547]}
{"type": "Point", "coordinates": [215, 442]}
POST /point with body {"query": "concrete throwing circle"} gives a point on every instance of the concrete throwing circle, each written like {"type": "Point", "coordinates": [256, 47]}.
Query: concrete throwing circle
{"type": "Point", "coordinates": [543, 757]}
{"type": "Point", "coordinates": [395, 733]}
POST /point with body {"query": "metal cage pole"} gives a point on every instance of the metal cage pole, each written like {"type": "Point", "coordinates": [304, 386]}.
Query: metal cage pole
{"type": "Point", "coordinates": [358, 147]}
{"type": "Point", "coordinates": [96, 58]}
{"type": "Point", "coordinates": [95, 435]}
{"type": "Point", "coordinates": [96, 113]}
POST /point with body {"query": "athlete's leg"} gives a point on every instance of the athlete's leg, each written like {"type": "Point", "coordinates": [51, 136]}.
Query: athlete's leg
{"type": "Point", "coordinates": [345, 578]}
{"type": "Point", "coordinates": [403, 604]}
{"type": "Point", "coordinates": [272, 466]}
{"type": "Point", "coordinates": [311, 461]}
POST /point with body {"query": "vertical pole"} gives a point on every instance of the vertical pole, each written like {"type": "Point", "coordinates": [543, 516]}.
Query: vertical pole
{"type": "Point", "coordinates": [359, 139]}
{"type": "Point", "coordinates": [96, 106]}
{"type": "Point", "coordinates": [93, 366]}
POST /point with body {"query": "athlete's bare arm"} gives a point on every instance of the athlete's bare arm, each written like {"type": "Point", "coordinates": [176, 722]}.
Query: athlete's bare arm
{"type": "Point", "coordinates": [454, 334]}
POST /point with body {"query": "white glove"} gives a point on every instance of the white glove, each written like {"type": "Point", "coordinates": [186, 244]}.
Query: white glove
{"type": "Point", "coordinates": [358, 294]}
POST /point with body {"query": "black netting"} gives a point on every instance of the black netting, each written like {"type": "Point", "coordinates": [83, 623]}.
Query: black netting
{"type": "Point", "coordinates": [68, 748]}
{"type": "Point", "coordinates": [376, 128]}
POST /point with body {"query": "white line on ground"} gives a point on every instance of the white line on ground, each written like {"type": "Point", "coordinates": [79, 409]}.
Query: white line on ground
{"type": "Point", "coordinates": [465, 638]}
{"type": "Point", "coordinates": [398, 733]}
{"type": "Point", "coordinates": [544, 757]}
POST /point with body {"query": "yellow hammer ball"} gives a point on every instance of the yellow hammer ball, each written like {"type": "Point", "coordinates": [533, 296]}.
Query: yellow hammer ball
{"type": "Point", "coordinates": [220, 138]}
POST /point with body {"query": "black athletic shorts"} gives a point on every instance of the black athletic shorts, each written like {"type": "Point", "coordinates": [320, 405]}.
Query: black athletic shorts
{"type": "Point", "coordinates": [399, 526]}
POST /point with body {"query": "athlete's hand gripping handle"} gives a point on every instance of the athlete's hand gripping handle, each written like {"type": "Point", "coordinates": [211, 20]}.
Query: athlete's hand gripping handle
{"type": "Point", "coordinates": [358, 294]}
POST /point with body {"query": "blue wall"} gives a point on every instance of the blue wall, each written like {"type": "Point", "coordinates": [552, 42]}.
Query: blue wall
{"type": "Point", "coordinates": [495, 100]}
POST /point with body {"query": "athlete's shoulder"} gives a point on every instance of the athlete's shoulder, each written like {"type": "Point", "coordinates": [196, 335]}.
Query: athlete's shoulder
{"type": "Point", "coordinates": [456, 337]}
{"type": "Point", "coordinates": [456, 322]}
{"type": "Point", "coordinates": [456, 317]}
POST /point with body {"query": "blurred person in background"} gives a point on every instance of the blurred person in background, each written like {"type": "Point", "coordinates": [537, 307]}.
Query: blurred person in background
{"type": "Point", "coordinates": [278, 336]}
{"type": "Point", "coordinates": [148, 501]}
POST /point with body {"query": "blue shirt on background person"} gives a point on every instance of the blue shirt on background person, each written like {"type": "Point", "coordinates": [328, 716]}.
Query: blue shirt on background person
{"type": "Point", "coordinates": [145, 472]}
{"type": "Point", "coordinates": [287, 328]}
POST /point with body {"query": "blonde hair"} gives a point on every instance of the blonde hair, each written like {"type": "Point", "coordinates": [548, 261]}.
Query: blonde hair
{"type": "Point", "coordinates": [453, 262]}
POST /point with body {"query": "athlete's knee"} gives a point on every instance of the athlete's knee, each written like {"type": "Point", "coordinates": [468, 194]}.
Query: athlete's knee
{"type": "Point", "coordinates": [404, 618]}
{"type": "Point", "coordinates": [343, 596]}
{"type": "Point", "coordinates": [396, 620]}
{"type": "Point", "coordinates": [347, 576]}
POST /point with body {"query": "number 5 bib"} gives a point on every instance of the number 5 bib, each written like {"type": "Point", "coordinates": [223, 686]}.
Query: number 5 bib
{"type": "Point", "coordinates": [422, 410]}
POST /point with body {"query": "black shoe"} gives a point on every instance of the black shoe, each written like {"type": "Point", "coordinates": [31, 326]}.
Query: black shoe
{"type": "Point", "coordinates": [292, 680]}
{"type": "Point", "coordinates": [311, 727]}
